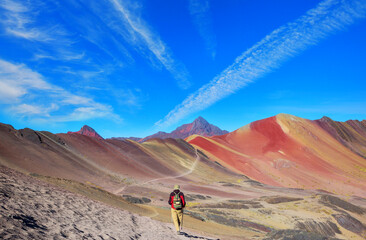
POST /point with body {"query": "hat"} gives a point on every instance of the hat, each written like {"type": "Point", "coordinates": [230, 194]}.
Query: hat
{"type": "Point", "coordinates": [176, 187]}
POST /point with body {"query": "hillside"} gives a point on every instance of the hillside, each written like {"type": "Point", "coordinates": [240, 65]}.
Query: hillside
{"type": "Point", "coordinates": [277, 177]}
{"type": "Point", "coordinates": [108, 163]}
{"type": "Point", "coordinates": [289, 151]}
{"type": "Point", "coordinates": [351, 134]}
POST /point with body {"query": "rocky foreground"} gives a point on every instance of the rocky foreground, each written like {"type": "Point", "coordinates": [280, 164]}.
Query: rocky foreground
{"type": "Point", "coordinates": [32, 209]}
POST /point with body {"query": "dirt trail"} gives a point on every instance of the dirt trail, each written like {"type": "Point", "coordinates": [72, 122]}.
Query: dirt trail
{"type": "Point", "coordinates": [119, 191]}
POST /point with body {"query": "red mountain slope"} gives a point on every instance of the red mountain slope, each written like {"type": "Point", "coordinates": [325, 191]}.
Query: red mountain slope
{"type": "Point", "coordinates": [288, 151]}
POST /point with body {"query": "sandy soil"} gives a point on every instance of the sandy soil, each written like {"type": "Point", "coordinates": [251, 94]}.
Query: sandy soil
{"type": "Point", "coordinates": [31, 209]}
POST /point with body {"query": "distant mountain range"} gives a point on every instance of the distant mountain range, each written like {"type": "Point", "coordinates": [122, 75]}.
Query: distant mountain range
{"type": "Point", "coordinates": [309, 168]}
{"type": "Point", "coordinates": [199, 127]}
{"type": "Point", "coordinates": [284, 150]}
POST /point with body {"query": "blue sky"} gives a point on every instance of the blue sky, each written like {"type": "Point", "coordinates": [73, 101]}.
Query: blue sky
{"type": "Point", "coordinates": [131, 68]}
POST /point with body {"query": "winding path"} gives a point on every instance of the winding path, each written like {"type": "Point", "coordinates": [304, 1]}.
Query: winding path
{"type": "Point", "coordinates": [118, 191]}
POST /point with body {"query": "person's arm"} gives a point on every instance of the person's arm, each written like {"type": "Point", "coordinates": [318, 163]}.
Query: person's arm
{"type": "Point", "coordinates": [170, 199]}
{"type": "Point", "coordinates": [183, 199]}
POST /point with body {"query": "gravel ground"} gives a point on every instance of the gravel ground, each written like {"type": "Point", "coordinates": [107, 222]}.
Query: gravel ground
{"type": "Point", "coordinates": [31, 209]}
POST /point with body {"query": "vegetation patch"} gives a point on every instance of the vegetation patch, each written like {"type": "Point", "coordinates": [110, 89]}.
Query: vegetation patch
{"type": "Point", "coordinates": [233, 204]}
{"type": "Point", "coordinates": [350, 223]}
{"type": "Point", "coordinates": [229, 185]}
{"type": "Point", "coordinates": [280, 199]}
{"type": "Point", "coordinates": [241, 223]}
{"type": "Point", "coordinates": [249, 203]}
{"type": "Point", "coordinates": [335, 202]}
{"type": "Point", "coordinates": [324, 228]}
{"type": "Point", "coordinates": [193, 197]}
{"type": "Point", "coordinates": [136, 200]}
{"type": "Point", "coordinates": [195, 215]}
{"type": "Point", "coordinates": [292, 234]}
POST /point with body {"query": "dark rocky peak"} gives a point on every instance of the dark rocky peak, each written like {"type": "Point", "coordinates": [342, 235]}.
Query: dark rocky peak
{"type": "Point", "coordinates": [200, 121]}
{"type": "Point", "coordinates": [87, 131]}
{"type": "Point", "coordinates": [199, 126]}
{"type": "Point", "coordinates": [325, 119]}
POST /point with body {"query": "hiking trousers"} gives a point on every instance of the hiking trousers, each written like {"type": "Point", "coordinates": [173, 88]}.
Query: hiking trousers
{"type": "Point", "coordinates": [177, 216]}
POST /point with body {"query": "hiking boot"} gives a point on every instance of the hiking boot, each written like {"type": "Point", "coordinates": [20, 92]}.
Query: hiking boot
{"type": "Point", "coordinates": [178, 232]}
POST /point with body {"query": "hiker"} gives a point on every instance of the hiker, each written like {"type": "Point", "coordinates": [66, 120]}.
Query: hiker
{"type": "Point", "coordinates": [177, 202]}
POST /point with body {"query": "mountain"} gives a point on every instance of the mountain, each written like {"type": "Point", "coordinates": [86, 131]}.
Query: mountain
{"type": "Point", "coordinates": [283, 151]}
{"type": "Point", "coordinates": [351, 133]}
{"type": "Point", "coordinates": [289, 151]}
{"type": "Point", "coordinates": [199, 127]}
{"type": "Point", "coordinates": [87, 131]}
{"type": "Point", "coordinates": [287, 176]}
{"type": "Point", "coordinates": [110, 163]}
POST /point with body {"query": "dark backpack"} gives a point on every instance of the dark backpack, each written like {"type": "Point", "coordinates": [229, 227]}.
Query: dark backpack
{"type": "Point", "coordinates": [177, 201]}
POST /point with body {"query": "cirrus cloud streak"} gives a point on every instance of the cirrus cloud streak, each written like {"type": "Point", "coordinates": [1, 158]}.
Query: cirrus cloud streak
{"type": "Point", "coordinates": [328, 17]}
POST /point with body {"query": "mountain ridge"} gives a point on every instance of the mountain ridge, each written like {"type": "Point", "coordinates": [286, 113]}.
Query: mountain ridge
{"type": "Point", "coordinates": [283, 150]}
{"type": "Point", "coordinates": [351, 133]}
{"type": "Point", "coordinates": [260, 168]}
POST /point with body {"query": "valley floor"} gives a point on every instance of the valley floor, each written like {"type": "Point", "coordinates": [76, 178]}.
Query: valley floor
{"type": "Point", "coordinates": [40, 207]}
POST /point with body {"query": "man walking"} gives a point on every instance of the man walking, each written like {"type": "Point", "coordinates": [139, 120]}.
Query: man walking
{"type": "Point", "coordinates": [177, 202]}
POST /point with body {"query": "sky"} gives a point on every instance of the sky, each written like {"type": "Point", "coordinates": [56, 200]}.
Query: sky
{"type": "Point", "coordinates": [132, 68]}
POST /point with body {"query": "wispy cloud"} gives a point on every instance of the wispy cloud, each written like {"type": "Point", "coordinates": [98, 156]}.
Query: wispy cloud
{"type": "Point", "coordinates": [27, 94]}
{"type": "Point", "coordinates": [200, 12]}
{"type": "Point", "coordinates": [24, 20]}
{"type": "Point", "coordinates": [87, 48]}
{"type": "Point", "coordinates": [18, 80]}
{"type": "Point", "coordinates": [137, 32]}
{"type": "Point", "coordinates": [91, 111]}
{"type": "Point", "coordinates": [63, 41]}
{"type": "Point", "coordinates": [64, 55]}
{"type": "Point", "coordinates": [267, 55]}
{"type": "Point", "coordinates": [19, 21]}
{"type": "Point", "coordinates": [25, 109]}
